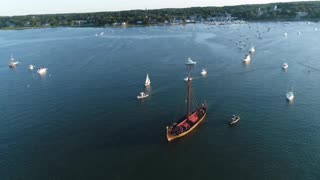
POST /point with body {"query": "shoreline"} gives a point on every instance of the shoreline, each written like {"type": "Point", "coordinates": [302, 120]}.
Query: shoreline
{"type": "Point", "coordinates": [217, 23]}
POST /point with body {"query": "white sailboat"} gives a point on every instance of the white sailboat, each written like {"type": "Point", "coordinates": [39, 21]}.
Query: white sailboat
{"type": "Point", "coordinates": [247, 58]}
{"type": "Point", "coordinates": [42, 71]}
{"type": "Point", "coordinates": [290, 96]}
{"type": "Point", "coordinates": [204, 72]}
{"type": "Point", "coordinates": [12, 62]}
{"type": "Point", "coordinates": [252, 49]}
{"type": "Point", "coordinates": [31, 67]}
{"type": "Point", "coordinates": [190, 62]}
{"type": "Point", "coordinates": [147, 83]}
{"type": "Point", "coordinates": [285, 66]}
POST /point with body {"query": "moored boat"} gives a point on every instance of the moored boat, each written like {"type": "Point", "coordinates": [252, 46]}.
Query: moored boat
{"type": "Point", "coordinates": [190, 121]}
{"type": "Point", "coordinates": [252, 49]}
{"type": "Point", "coordinates": [234, 119]}
{"type": "Point", "coordinates": [285, 66]}
{"type": "Point", "coordinates": [190, 62]}
{"type": "Point", "coordinates": [290, 96]}
{"type": "Point", "coordinates": [31, 67]}
{"type": "Point", "coordinates": [12, 62]}
{"type": "Point", "coordinates": [247, 58]}
{"type": "Point", "coordinates": [204, 72]}
{"type": "Point", "coordinates": [42, 71]}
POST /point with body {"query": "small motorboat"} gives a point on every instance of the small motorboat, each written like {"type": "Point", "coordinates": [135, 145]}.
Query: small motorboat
{"type": "Point", "coordinates": [142, 95]}
{"type": "Point", "coordinates": [31, 67]}
{"type": "Point", "coordinates": [42, 71]}
{"type": "Point", "coordinates": [234, 119]}
{"type": "Point", "coordinates": [247, 58]}
{"type": "Point", "coordinates": [203, 72]}
{"type": "Point", "coordinates": [290, 96]}
{"type": "Point", "coordinates": [190, 62]}
{"type": "Point", "coordinates": [285, 66]}
{"type": "Point", "coordinates": [285, 34]}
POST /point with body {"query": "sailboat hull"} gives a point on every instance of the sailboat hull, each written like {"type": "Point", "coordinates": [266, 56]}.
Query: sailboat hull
{"type": "Point", "coordinates": [181, 129]}
{"type": "Point", "coordinates": [13, 64]}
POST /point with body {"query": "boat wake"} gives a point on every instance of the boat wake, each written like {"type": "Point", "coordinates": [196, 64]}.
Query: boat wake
{"type": "Point", "coordinates": [85, 63]}
{"type": "Point", "coordinates": [246, 71]}
{"type": "Point", "coordinates": [307, 66]}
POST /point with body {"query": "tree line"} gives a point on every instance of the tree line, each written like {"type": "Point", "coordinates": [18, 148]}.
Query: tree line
{"type": "Point", "coordinates": [261, 12]}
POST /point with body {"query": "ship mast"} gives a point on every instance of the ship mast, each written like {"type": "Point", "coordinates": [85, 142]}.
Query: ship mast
{"type": "Point", "coordinates": [188, 96]}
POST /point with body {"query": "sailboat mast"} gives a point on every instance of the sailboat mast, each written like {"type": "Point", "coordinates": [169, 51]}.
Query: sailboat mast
{"type": "Point", "coordinates": [188, 97]}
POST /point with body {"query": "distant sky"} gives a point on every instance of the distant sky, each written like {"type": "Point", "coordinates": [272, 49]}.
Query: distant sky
{"type": "Point", "coordinates": [24, 7]}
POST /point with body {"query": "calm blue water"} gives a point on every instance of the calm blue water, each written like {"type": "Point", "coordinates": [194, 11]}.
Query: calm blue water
{"type": "Point", "coordinates": [82, 119]}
